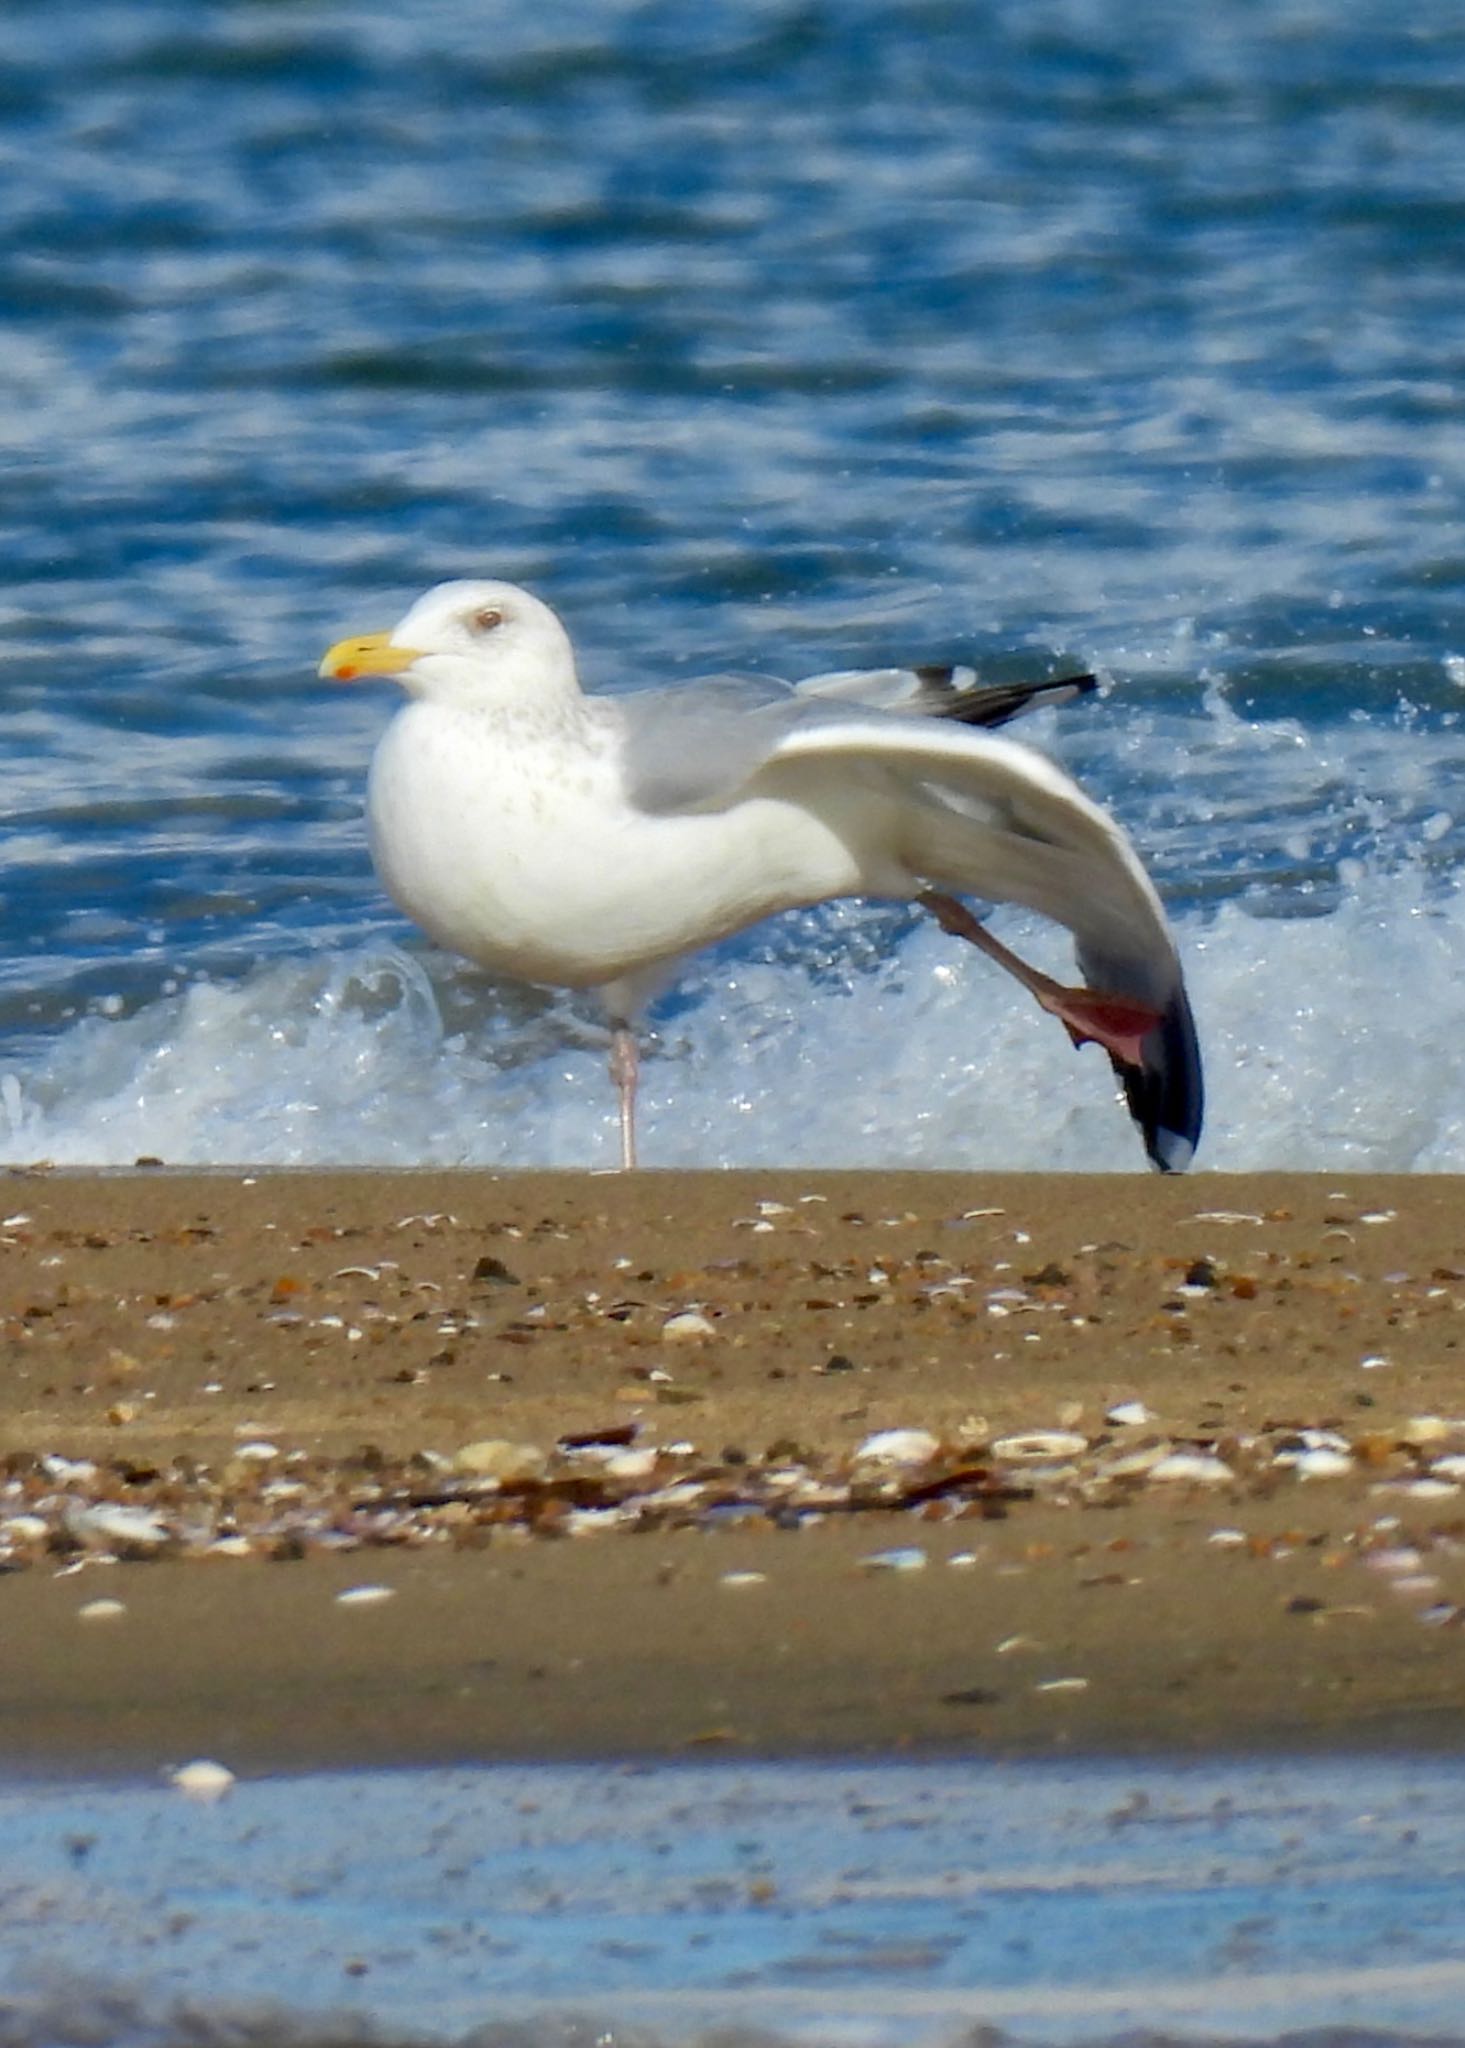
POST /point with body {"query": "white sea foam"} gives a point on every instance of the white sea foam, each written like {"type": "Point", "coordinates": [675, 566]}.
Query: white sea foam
{"type": "Point", "coordinates": [1330, 1041]}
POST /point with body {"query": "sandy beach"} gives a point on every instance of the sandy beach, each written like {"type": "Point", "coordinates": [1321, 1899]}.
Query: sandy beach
{"type": "Point", "coordinates": [608, 1465]}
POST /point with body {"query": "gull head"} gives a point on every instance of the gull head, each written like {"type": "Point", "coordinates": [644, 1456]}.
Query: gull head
{"type": "Point", "coordinates": [467, 643]}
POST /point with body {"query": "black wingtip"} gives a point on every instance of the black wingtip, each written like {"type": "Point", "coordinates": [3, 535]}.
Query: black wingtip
{"type": "Point", "coordinates": [1166, 1095]}
{"type": "Point", "coordinates": [991, 704]}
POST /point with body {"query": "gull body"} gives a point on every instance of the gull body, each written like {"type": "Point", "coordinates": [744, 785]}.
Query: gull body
{"type": "Point", "coordinates": [586, 841]}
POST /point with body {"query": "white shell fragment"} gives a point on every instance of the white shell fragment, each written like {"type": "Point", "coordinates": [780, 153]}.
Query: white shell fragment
{"type": "Point", "coordinates": [365, 1596]}
{"type": "Point", "coordinates": [898, 1447]}
{"type": "Point", "coordinates": [1034, 1445]}
{"type": "Point", "coordinates": [910, 1559]}
{"type": "Point", "coordinates": [1397, 1559]}
{"type": "Point", "coordinates": [1198, 1467]}
{"type": "Point", "coordinates": [1321, 1463]}
{"type": "Point", "coordinates": [1423, 1430]}
{"type": "Point", "coordinates": [687, 1327]}
{"type": "Point", "coordinates": [743, 1579]}
{"type": "Point", "coordinates": [632, 1464]}
{"type": "Point", "coordinates": [101, 1610]}
{"type": "Point", "coordinates": [111, 1523]}
{"type": "Point", "coordinates": [495, 1458]}
{"type": "Point", "coordinates": [1128, 1414]}
{"type": "Point", "coordinates": [204, 1781]}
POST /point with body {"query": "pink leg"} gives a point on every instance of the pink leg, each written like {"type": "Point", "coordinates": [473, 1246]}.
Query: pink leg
{"type": "Point", "coordinates": [1088, 1016]}
{"type": "Point", "coordinates": [625, 1066]}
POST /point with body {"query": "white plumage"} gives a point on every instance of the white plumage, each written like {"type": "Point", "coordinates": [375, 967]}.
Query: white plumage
{"type": "Point", "coordinates": [590, 841]}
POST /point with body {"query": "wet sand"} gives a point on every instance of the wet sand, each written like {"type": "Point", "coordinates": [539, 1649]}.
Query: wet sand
{"type": "Point", "coordinates": [600, 1439]}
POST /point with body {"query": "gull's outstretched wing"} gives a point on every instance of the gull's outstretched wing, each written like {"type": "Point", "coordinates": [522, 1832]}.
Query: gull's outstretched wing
{"type": "Point", "coordinates": [983, 816]}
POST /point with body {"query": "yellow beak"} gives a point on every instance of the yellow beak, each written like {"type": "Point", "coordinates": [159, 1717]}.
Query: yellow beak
{"type": "Point", "coordinates": [369, 654]}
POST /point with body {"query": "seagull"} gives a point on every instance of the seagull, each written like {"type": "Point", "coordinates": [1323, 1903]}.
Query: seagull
{"type": "Point", "coordinates": [591, 841]}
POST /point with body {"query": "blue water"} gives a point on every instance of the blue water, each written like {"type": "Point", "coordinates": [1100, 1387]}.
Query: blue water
{"type": "Point", "coordinates": [775, 335]}
{"type": "Point", "coordinates": [866, 1905]}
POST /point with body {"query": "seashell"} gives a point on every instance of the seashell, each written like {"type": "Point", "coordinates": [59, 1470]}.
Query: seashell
{"type": "Point", "coordinates": [1322, 1463]}
{"type": "Point", "coordinates": [1397, 1558]}
{"type": "Point", "coordinates": [1135, 1464]}
{"type": "Point", "coordinates": [68, 1471]}
{"type": "Point", "coordinates": [1421, 1430]}
{"type": "Point", "coordinates": [495, 1458]}
{"type": "Point", "coordinates": [687, 1327]}
{"type": "Point", "coordinates": [365, 1596]}
{"type": "Point", "coordinates": [1035, 1444]}
{"type": "Point", "coordinates": [1128, 1414]}
{"type": "Point", "coordinates": [898, 1447]}
{"type": "Point", "coordinates": [590, 1521]}
{"type": "Point", "coordinates": [109, 1522]}
{"type": "Point", "coordinates": [631, 1464]}
{"type": "Point", "coordinates": [101, 1610]}
{"type": "Point", "coordinates": [743, 1579]}
{"type": "Point", "coordinates": [204, 1780]}
{"type": "Point", "coordinates": [909, 1559]}
{"type": "Point", "coordinates": [1197, 1467]}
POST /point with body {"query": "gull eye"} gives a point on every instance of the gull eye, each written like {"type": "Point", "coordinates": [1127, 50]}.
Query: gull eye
{"type": "Point", "coordinates": [484, 621]}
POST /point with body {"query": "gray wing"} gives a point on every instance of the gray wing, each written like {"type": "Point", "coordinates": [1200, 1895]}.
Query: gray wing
{"type": "Point", "coordinates": [692, 746]}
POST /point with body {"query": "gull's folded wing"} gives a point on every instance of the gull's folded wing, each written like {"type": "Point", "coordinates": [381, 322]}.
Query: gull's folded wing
{"type": "Point", "coordinates": [932, 691]}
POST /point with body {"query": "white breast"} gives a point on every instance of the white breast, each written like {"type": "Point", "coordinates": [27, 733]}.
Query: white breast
{"type": "Point", "coordinates": [511, 842]}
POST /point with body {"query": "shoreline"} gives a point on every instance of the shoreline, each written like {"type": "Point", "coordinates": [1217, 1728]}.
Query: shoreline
{"type": "Point", "coordinates": [618, 1453]}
